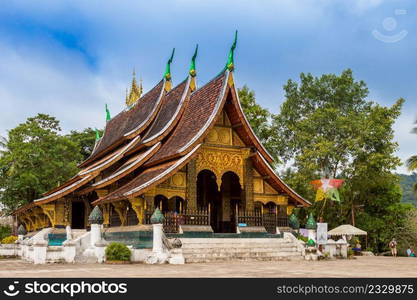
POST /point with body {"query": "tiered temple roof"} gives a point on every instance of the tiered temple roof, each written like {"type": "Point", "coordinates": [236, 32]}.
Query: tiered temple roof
{"type": "Point", "coordinates": [158, 135]}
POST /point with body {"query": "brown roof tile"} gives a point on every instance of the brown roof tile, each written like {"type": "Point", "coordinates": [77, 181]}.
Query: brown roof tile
{"type": "Point", "coordinates": [203, 105]}
{"type": "Point", "coordinates": [148, 179]}
{"type": "Point", "coordinates": [171, 108]}
{"type": "Point", "coordinates": [129, 122]}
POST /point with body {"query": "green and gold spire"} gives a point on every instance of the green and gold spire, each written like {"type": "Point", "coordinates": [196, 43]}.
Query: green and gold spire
{"type": "Point", "coordinates": [135, 91]}
{"type": "Point", "coordinates": [107, 114]}
{"type": "Point", "coordinates": [193, 73]}
{"type": "Point", "coordinates": [230, 60]}
{"type": "Point", "coordinates": [167, 74]}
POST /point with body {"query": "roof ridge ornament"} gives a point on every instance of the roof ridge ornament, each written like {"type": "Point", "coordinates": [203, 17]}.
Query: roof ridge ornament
{"type": "Point", "coordinates": [97, 134]}
{"type": "Point", "coordinates": [135, 91]}
{"type": "Point", "coordinates": [193, 73]}
{"type": "Point", "coordinates": [167, 74]}
{"type": "Point", "coordinates": [230, 59]}
{"type": "Point", "coordinates": [108, 117]}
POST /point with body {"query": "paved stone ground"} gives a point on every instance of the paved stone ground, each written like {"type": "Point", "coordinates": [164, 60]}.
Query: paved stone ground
{"type": "Point", "coordinates": [360, 267]}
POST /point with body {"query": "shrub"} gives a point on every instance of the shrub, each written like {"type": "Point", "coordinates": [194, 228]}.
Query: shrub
{"type": "Point", "coordinates": [303, 238]}
{"type": "Point", "coordinates": [117, 251]}
{"type": "Point", "coordinates": [9, 239]}
{"type": "Point", "coordinates": [5, 231]}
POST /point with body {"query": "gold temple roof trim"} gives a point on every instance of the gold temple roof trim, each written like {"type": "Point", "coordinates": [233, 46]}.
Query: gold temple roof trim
{"type": "Point", "coordinates": [161, 177]}
{"type": "Point", "coordinates": [136, 163]}
{"type": "Point", "coordinates": [210, 122]}
{"type": "Point", "coordinates": [179, 109]}
{"type": "Point", "coordinates": [150, 117]}
{"type": "Point", "coordinates": [65, 191]}
{"type": "Point", "coordinates": [113, 159]}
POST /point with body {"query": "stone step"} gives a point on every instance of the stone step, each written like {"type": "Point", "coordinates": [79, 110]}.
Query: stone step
{"type": "Point", "coordinates": [276, 247]}
{"type": "Point", "coordinates": [238, 249]}
{"type": "Point", "coordinates": [240, 254]}
{"type": "Point", "coordinates": [229, 246]}
{"type": "Point", "coordinates": [213, 245]}
{"type": "Point", "coordinates": [233, 250]}
{"type": "Point", "coordinates": [238, 243]}
{"type": "Point", "coordinates": [234, 240]}
{"type": "Point", "coordinates": [241, 258]}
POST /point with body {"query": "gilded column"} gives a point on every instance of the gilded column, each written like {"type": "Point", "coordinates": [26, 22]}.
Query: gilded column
{"type": "Point", "coordinates": [249, 184]}
{"type": "Point", "coordinates": [105, 208]}
{"type": "Point", "coordinates": [60, 221]}
{"type": "Point", "coordinates": [192, 185]}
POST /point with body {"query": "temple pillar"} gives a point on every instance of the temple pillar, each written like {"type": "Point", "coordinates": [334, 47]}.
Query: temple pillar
{"type": "Point", "coordinates": [249, 203]}
{"type": "Point", "coordinates": [121, 209]}
{"type": "Point", "coordinates": [226, 203]}
{"type": "Point", "coordinates": [138, 205]}
{"type": "Point", "coordinates": [67, 211]}
{"type": "Point", "coordinates": [87, 211]}
{"type": "Point", "coordinates": [60, 221]}
{"type": "Point", "coordinates": [105, 208]}
{"type": "Point", "coordinates": [49, 211]}
{"type": "Point", "coordinates": [149, 197]}
{"type": "Point", "coordinates": [191, 191]}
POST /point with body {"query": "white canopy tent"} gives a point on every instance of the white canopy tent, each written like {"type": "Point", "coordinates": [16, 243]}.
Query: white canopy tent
{"type": "Point", "coordinates": [348, 230]}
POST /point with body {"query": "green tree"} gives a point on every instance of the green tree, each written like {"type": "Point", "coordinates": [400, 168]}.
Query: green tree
{"type": "Point", "coordinates": [35, 158]}
{"type": "Point", "coordinates": [259, 119]}
{"type": "Point", "coordinates": [412, 161]}
{"type": "Point", "coordinates": [407, 184]}
{"type": "Point", "coordinates": [86, 140]}
{"type": "Point", "coordinates": [327, 128]}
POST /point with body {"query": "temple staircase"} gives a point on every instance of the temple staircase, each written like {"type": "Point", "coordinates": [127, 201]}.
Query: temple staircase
{"type": "Point", "coordinates": [202, 250]}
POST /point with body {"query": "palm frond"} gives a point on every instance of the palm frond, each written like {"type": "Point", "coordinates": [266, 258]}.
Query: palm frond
{"type": "Point", "coordinates": [412, 163]}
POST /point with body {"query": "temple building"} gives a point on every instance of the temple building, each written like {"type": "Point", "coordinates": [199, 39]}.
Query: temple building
{"type": "Point", "coordinates": [187, 150]}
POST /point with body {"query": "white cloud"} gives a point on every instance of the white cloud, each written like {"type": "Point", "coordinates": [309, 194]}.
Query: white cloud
{"type": "Point", "coordinates": [53, 80]}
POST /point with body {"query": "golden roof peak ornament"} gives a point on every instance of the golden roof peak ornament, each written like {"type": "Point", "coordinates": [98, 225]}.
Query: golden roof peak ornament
{"type": "Point", "coordinates": [135, 91]}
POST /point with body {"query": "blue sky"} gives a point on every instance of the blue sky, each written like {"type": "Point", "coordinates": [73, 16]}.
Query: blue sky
{"type": "Point", "coordinates": [68, 58]}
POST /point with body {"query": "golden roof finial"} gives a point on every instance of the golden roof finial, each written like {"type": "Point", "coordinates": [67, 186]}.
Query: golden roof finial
{"type": "Point", "coordinates": [135, 91]}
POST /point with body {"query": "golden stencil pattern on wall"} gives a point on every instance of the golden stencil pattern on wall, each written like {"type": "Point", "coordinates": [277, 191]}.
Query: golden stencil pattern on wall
{"type": "Point", "coordinates": [60, 213]}
{"type": "Point", "coordinates": [258, 185]}
{"type": "Point", "coordinates": [237, 141]}
{"type": "Point", "coordinates": [222, 160]}
{"type": "Point", "coordinates": [170, 192]}
{"type": "Point", "coordinates": [174, 186]}
{"type": "Point", "coordinates": [220, 135]}
{"type": "Point", "coordinates": [269, 189]}
{"type": "Point", "coordinates": [277, 199]}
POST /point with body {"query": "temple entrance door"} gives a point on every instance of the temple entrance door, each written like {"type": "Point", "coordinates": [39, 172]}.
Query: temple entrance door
{"type": "Point", "coordinates": [231, 193]}
{"type": "Point", "coordinates": [77, 215]}
{"type": "Point", "coordinates": [209, 196]}
{"type": "Point", "coordinates": [161, 202]}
